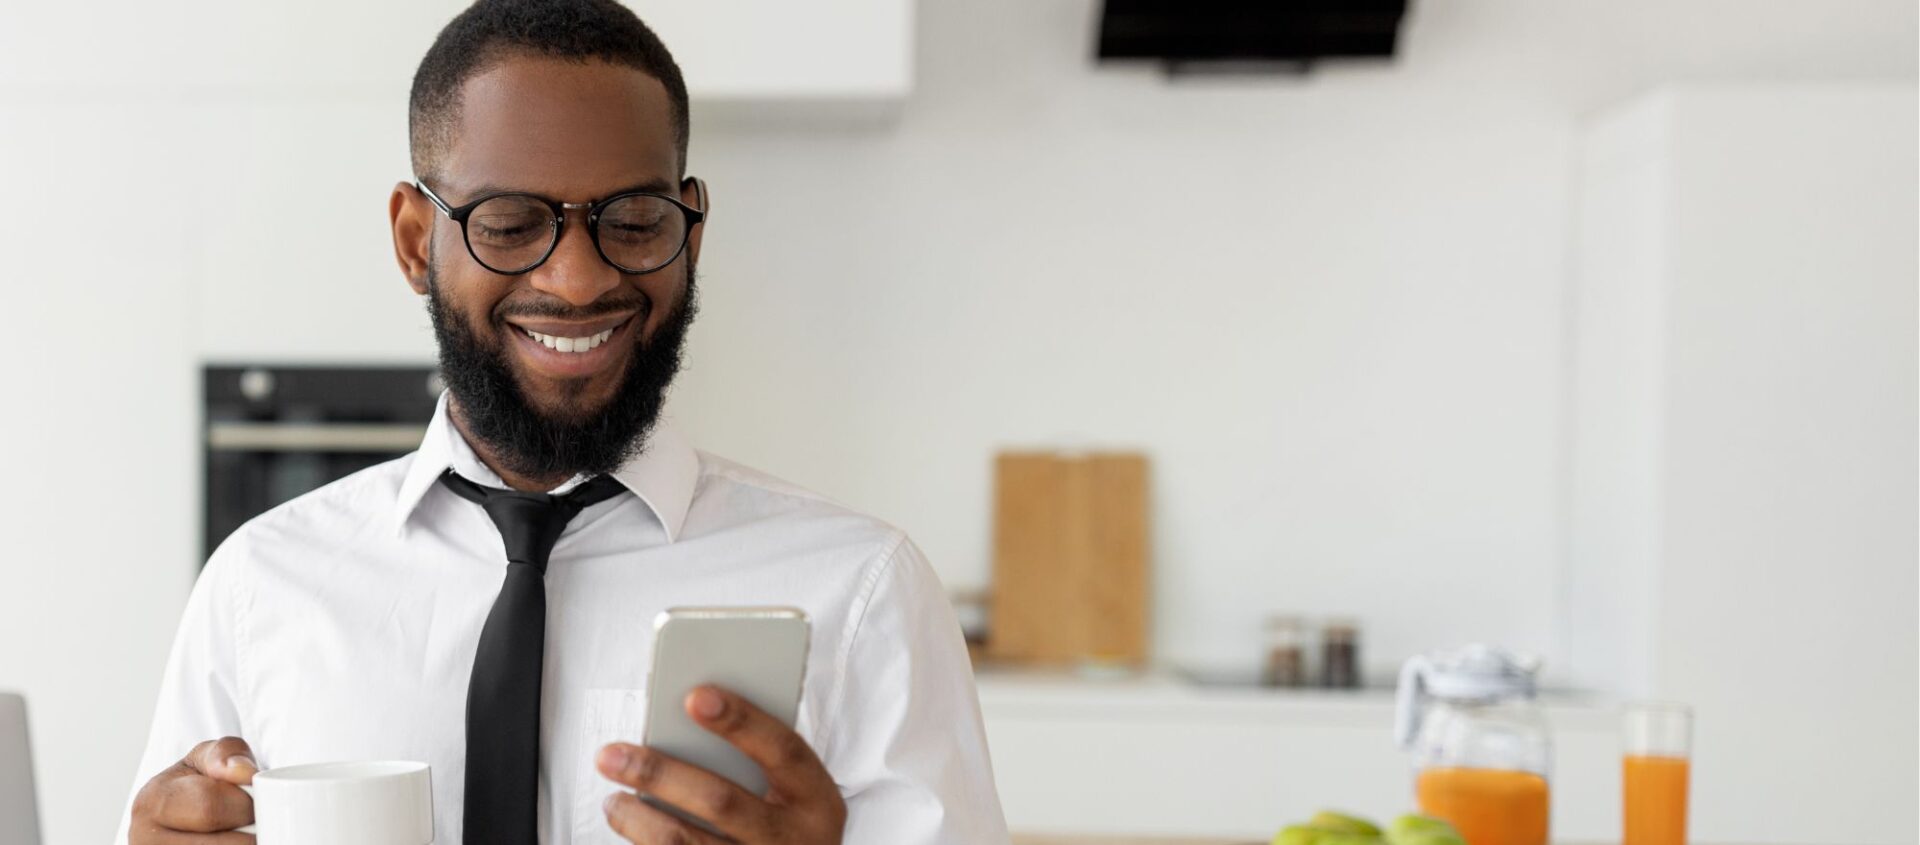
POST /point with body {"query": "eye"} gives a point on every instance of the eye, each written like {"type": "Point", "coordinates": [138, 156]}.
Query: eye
{"type": "Point", "coordinates": [509, 229]}
{"type": "Point", "coordinates": [509, 220]}
{"type": "Point", "coordinates": [636, 217]}
{"type": "Point", "coordinates": [504, 229]}
{"type": "Point", "coordinates": [630, 229]}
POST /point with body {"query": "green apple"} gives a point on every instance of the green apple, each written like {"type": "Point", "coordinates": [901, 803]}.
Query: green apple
{"type": "Point", "coordinates": [1298, 834]}
{"type": "Point", "coordinates": [1422, 830]}
{"type": "Point", "coordinates": [1343, 823]}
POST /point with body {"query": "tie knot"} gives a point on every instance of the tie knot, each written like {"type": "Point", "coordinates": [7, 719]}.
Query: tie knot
{"type": "Point", "coordinates": [530, 523]}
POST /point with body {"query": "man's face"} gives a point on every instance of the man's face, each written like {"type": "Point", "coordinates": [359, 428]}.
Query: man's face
{"type": "Point", "coordinates": [573, 132]}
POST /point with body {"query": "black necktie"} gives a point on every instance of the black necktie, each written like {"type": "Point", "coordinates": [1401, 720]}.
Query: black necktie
{"type": "Point", "coordinates": [503, 695]}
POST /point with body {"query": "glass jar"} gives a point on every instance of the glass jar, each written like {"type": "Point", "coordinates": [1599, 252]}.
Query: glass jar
{"type": "Point", "coordinates": [1482, 754]}
{"type": "Point", "coordinates": [1340, 655]}
{"type": "Point", "coordinates": [1286, 664]}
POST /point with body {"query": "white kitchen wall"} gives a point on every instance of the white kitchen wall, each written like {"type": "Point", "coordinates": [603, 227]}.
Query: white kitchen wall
{"type": "Point", "coordinates": [1332, 308]}
{"type": "Point", "coordinates": [1618, 367]}
{"type": "Point", "coordinates": [1338, 344]}
{"type": "Point", "coordinates": [101, 505]}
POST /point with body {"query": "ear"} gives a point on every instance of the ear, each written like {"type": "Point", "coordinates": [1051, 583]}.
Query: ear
{"type": "Point", "coordinates": [693, 192]}
{"type": "Point", "coordinates": [412, 218]}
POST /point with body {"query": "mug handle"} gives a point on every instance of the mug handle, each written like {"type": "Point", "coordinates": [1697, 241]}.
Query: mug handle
{"type": "Point", "coordinates": [246, 828]}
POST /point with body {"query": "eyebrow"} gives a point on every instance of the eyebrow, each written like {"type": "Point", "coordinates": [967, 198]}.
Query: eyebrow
{"type": "Point", "coordinates": [652, 186]}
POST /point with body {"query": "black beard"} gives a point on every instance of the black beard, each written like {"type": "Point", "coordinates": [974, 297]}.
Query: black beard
{"type": "Point", "coordinates": [533, 444]}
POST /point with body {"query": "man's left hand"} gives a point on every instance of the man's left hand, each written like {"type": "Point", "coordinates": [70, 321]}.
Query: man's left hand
{"type": "Point", "coordinates": [802, 805]}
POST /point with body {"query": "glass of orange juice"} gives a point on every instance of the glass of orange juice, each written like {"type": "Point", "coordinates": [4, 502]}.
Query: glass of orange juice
{"type": "Point", "coordinates": [1654, 773]}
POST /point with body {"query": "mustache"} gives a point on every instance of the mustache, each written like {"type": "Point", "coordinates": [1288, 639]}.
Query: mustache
{"type": "Point", "coordinates": [558, 310]}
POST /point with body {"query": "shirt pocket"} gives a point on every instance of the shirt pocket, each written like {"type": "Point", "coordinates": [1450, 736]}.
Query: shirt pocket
{"type": "Point", "coordinates": [611, 715]}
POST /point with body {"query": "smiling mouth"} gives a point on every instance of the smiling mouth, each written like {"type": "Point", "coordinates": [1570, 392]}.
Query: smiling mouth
{"type": "Point", "coordinates": [567, 337]}
{"type": "Point", "coordinates": [571, 344]}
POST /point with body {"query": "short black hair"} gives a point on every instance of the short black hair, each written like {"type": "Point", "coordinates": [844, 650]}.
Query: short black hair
{"type": "Point", "coordinates": [490, 31]}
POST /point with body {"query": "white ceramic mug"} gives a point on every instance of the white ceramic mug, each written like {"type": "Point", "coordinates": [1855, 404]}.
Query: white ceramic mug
{"type": "Point", "coordinates": [382, 803]}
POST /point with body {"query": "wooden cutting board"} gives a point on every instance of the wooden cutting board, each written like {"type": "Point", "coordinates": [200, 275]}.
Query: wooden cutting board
{"type": "Point", "coordinates": [1070, 569]}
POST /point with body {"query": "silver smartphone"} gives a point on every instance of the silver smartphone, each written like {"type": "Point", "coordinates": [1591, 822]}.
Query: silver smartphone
{"type": "Point", "coordinates": [759, 653]}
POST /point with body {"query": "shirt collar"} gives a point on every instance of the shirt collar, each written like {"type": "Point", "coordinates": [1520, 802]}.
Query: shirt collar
{"type": "Point", "coordinates": [662, 475]}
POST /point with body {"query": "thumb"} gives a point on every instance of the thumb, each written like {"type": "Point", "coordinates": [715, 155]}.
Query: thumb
{"type": "Point", "coordinates": [240, 770]}
{"type": "Point", "coordinates": [227, 759]}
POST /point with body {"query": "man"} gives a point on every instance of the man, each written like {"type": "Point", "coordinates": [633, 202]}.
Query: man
{"type": "Point", "coordinates": [554, 235]}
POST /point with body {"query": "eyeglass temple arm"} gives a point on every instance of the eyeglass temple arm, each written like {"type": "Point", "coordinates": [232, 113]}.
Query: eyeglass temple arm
{"type": "Point", "coordinates": [435, 198]}
{"type": "Point", "coordinates": [700, 196]}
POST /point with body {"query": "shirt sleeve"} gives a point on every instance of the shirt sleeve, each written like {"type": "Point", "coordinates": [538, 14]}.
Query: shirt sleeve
{"type": "Point", "coordinates": [198, 694]}
{"type": "Point", "coordinates": [907, 743]}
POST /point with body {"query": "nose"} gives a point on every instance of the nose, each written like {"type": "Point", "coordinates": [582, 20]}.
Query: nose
{"type": "Point", "coordinates": [575, 271]}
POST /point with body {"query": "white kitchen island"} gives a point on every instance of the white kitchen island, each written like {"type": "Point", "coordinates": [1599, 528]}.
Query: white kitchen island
{"type": "Point", "coordinates": [1158, 757]}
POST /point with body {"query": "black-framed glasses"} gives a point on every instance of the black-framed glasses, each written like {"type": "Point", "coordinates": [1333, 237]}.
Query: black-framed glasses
{"type": "Point", "coordinates": [513, 232]}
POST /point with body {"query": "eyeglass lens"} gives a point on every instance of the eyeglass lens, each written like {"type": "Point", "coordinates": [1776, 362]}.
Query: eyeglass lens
{"type": "Point", "coordinates": [511, 234]}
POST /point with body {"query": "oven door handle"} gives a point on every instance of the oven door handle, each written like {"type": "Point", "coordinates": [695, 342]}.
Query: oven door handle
{"type": "Point", "coordinates": [314, 437]}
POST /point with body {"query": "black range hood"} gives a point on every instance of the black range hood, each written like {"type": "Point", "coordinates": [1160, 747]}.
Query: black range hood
{"type": "Point", "coordinates": [1239, 36]}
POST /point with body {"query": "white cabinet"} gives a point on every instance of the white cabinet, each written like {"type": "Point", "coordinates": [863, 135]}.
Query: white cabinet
{"type": "Point", "coordinates": [1742, 516]}
{"type": "Point", "coordinates": [770, 51]}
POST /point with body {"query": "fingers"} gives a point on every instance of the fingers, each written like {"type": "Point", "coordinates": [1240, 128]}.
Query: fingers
{"type": "Point", "coordinates": [175, 837]}
{"type": "Point", "coordinates": [638, 822]}
{"type": "Point", "coordinates": [719, 801]}
{"type": "Point", "coordinates": [227, 759]}
{"type": "Point", "coordinates": [802, 802]}
{"type": "Point", "coordinates": [182, 799]}
{"type": "Point", "coordinates": [793, 770]}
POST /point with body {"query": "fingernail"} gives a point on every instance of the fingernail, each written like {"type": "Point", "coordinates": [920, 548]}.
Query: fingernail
{"type": "Point", "coordinates": [238, 760]}
{"type": "Point", "coordinates": [613, 758]}
{"type": "Point", "coordinates": [607, 805]}
{"type": "Point", "coordinates": [708, 704]}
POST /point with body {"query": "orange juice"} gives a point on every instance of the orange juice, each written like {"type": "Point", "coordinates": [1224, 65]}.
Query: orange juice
{"type": "Point", "coordinates": [1655, 789]}
{"type": "Point", "coordinates": [1488, 806]}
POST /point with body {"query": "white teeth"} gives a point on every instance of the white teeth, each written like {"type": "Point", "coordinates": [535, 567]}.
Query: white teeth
{"type": "Point", "coordinates": [569, 344]}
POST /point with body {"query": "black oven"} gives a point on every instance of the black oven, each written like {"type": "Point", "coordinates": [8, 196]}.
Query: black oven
{"type": "Point", "coordinates": [275, 432]}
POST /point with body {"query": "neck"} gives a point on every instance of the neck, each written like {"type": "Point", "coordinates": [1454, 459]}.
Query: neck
{"type": "Point", "coordinates": [491, 456]}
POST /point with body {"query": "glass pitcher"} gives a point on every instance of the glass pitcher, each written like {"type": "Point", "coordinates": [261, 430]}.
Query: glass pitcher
{"type": "Point", "coordinates": [1481, 750]}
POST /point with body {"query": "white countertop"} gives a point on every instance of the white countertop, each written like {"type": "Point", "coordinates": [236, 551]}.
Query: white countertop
{"type": "Point", "coordinates": [1172, 694]}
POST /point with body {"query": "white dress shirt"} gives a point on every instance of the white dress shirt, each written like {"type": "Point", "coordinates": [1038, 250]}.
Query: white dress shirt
{"type": "Point", "coordinates": [343, 625]}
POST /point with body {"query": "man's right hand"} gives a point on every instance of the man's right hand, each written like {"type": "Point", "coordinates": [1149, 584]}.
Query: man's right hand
{"type": "Point", "coordinates": [198, 800]}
